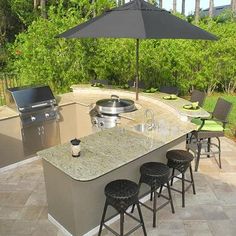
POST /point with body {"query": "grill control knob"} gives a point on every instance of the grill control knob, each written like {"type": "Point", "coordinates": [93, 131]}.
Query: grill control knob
{"type": "Point", "coordinates": [101, 123]}
{"type": "Point", "coordinates": [47, 115]}
{"type": "Point", "coordinates": [33, 118]}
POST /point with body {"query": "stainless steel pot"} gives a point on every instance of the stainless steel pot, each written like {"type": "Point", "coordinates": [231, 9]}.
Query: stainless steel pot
{"type": "Point", "coordinates": [114, 105]}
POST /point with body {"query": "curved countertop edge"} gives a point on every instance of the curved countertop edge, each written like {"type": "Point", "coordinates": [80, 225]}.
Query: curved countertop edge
{"type": "Point", "coordinates": [98, 176]}
{"type": "Point", "coordinates": [72, 98]}
{"type": "Point", "coordinates": [41, 155]}
{"type": "Point", "coordinates": [153, 97]}
{"type": "Point", "coordinates": [79, 96]}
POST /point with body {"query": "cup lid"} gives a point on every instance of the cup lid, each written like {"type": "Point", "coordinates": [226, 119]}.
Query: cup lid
{"type": "Point", "coordinates": [75, 141]}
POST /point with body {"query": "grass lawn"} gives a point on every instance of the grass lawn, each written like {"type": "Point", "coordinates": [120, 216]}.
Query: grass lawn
{"type": "Point", "coordinates": [210, 104]}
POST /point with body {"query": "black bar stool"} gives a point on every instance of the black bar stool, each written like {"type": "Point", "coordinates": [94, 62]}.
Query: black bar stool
{"type": "Point", "coordinates": [181, 160]}
{"type": "Point", "coordinates": [121, 194]}
{"type": "Point", "coordinates": [155, 175]}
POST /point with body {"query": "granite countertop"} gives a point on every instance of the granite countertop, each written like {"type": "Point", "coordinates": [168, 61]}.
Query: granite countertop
{"type": "Point", "coordinates": [102, 158]}
{"type": "Point", "coordinates": [6, 113]}
{"type": "Point", "coordinates": [80, 93]}
{"type": "Point", "coordinates": [178, 105]}
{"type": "Point", "coordinates": [106, 158]}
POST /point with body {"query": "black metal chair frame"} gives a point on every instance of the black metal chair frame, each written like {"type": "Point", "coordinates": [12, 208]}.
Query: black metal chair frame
{"type": "Point", "coordinates": [199, 141]}
{"type": "Point", "coordinates": [219, 114]}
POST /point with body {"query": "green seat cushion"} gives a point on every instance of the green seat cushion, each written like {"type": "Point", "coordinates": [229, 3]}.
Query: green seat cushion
{"type": "Point", "coordinates": [210, 125]}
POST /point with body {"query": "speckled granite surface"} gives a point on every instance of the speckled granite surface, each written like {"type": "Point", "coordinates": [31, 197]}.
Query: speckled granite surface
{"type": "Point", "coordinates": [101, 153]}
{"type": "Point", "coordinates": [178, 105]}
{"type": "Point", "coordinates": [99, 93]}
{"type": "Point", "coordinates": [110, 149]}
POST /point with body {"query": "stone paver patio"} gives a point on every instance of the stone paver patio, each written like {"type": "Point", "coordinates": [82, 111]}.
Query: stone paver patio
{"type": "Point", "coordinates": [212, 211]}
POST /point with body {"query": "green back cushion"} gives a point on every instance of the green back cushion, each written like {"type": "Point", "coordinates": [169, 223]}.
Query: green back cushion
{"type": "Point", "coordinates": [210, 125]}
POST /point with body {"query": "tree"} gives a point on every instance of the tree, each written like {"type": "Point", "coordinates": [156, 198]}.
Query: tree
{"type": "Point", "coordinates": [36, 4]}
{"type": "Point", "coordinates": [197, 10]}
{"type": "Point", "coordinates": [233, 5]}
{"type": "Point", "coordinates": [43, 8]}
{"type": "Point", "coordinates": [10, 24]}
{"type": "Point", "coordinates": [174, 6]}
{"type": "Point", "coordinates": [211, 8]}
{"type": "Point", "coordinates": [183, 7]}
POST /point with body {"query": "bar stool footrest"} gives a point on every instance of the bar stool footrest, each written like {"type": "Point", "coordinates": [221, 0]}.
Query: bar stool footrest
{"type": "Point", "coordinates": [129, 232]}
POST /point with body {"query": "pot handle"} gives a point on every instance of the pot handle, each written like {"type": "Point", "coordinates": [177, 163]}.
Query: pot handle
{"type": "Point", "coordinates": [113, 96]}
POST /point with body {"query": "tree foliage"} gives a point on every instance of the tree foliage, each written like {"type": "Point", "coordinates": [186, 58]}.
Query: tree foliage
{"type": "Point", "coordinates": [38, 57]}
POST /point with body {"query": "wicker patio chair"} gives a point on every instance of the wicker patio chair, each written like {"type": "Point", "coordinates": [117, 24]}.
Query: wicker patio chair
{"type": "Point", "coordinates": [209, 128]}
{"type": "Point", "coordinates": [169, 90]}
{"type": "Point", "coordinates": [198, 96]}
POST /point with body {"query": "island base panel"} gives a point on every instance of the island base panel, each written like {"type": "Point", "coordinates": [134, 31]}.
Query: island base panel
{"type": "Point", "coordinates": [78, 205]}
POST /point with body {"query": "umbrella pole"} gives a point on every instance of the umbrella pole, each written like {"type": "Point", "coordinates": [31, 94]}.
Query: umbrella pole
{"type": "Point", "coordinates": [137, 68]}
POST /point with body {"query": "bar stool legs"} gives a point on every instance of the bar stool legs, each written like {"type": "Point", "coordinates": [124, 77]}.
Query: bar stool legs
{"type": "Point", "coordinates": [192, 180]}
{"type": "Point", "coordinates": [183, 191]}
{"type": "Point", "coordinates": [141, 219]}
{"type": "Point", "coordinates": [155, 175]}
{"type": "Point", "coordinates": [121, 224]}
{"type": "Point", "coordinates": [183, 180]}
{"type": "Point", "coordinates": [181, 160]}
{"type": "Point", "coordinates": [120, 194]}
{"type": "Point", "coordinates": [103, 218]}
{"type": "Point", "coordinates": [171, 200]}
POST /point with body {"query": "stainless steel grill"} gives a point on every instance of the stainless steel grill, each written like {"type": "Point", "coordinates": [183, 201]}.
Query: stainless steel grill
{"type": "Point", "coordinates": [38, 112]}
{"type": "Point", "coordinates": [106, 112]}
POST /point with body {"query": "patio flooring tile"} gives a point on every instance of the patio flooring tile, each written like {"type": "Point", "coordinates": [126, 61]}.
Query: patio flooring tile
{"type": "Point", "coordinates": [211, 212]}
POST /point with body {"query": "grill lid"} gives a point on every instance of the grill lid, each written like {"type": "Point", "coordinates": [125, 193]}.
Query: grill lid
{"type": "Point", "coordinates": [30, 98]}
{"type": "Point", "coordinates": [115, 105]}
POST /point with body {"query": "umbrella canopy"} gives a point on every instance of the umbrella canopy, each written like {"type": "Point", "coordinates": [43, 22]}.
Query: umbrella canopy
{"type": "Point", "coordinates": [139, 20]}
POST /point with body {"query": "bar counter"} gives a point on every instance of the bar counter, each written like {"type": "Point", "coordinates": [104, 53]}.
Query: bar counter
{"type": "Point", "coordinates": [75, 186]}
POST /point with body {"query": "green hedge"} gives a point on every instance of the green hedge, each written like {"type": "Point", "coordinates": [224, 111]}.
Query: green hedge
{"type": "Point", "coordinates": [38, 57]}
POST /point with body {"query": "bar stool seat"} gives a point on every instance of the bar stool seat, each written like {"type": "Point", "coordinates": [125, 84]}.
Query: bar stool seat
{"type": "Point", "coordinates": [120, 194]}
{"type": "Point", "coordinates": [156, 175]}
{"type": "Point", "coordinates": [181, 160]}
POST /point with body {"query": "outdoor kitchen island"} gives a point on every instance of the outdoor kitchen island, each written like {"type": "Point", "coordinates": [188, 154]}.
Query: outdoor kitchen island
{"type": "Point", "coordinates": [75, 186]}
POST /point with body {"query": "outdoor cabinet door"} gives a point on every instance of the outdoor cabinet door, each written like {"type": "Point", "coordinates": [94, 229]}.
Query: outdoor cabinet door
{"type": "Point", "coordinates": [50, 134]}
{"type": "Point", "coordinates": [32, 139]}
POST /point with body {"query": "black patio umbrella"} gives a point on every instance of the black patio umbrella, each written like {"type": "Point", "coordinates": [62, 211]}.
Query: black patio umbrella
{"type": "Point", "coordinates": [139, 20]}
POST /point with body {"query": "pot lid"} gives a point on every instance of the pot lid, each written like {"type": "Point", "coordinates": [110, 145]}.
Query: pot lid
{"type": "Point", "coordinates": [115, 105]}
{"type": "Point", "coordinates": [115, 101]}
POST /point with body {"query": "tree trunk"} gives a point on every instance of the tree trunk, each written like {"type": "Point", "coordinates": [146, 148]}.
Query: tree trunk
{"type": "Point", "coordinates": [94, 7]}
{"type": "Point", "coordinates": [183, 7]}
{"type": "Point", "coordinates": [233, 5]}
{"type": "Point", "coordinates": [43, 8]}
{"type": "Point", "coordinates": [36, 4]}
{"type": "Point", "coordinates": [160, 3]}
{"type": "Point", "coordinates": [211, 8]}
{"type": "Point", "coordinates": [174, 6]}
{"type": "Point", "coordinates": [197, 10]}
